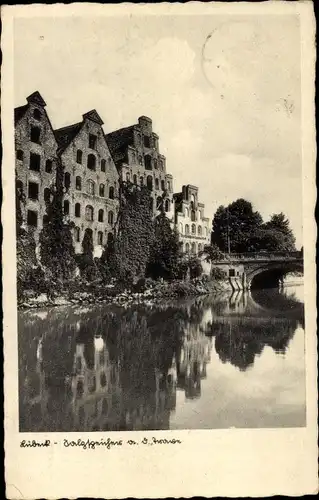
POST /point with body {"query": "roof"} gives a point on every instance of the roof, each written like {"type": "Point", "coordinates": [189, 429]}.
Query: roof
{"type": "Point", "coordinates": [65, 135]}
{"type": "Point", "coordinates": [37, 98]}
{"type": "Point", "coordinates": [118, 142]}
{"type": "Point", "coordinates": [19, 113]}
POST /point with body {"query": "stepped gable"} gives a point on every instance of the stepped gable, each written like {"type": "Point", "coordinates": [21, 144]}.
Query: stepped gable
{"type": "Point", "coordinates": [19, 113]}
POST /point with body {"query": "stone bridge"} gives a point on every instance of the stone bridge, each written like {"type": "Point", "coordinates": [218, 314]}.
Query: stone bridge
{"type": "Point", "coordinates": [259, 270]}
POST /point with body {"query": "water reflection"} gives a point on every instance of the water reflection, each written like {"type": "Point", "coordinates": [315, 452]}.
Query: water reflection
{"type": "Point", "coordinates": [114, 368]}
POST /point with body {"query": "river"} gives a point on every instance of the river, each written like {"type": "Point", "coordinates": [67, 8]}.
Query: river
{"type": "Point", "coordinates": [203, 363]}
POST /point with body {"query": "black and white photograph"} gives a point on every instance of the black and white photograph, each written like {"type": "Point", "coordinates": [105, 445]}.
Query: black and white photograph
{"type": "Point", "coordinates": [159, 223]}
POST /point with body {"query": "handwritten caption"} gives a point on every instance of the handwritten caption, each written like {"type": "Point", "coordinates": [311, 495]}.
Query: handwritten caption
{"type": "Point", "coordinates": [91, 444]}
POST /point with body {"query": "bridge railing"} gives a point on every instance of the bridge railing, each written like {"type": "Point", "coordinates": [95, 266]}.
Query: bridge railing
{"type": "Point", "coordinates": [261, 256]}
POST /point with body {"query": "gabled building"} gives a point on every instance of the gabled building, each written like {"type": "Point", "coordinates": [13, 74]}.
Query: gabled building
{"type": "Point", "coordinates": [36, 160]}
{"type": "Point", "coordinates": [135, 150]}
{"type": "Point", "coordinates": [91, 181]}
{"type": "Point", "coordinates": [192, 226]}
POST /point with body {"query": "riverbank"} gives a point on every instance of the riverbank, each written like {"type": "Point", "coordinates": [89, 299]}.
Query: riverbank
{"type": "Point", "coordinates": [147, 291]}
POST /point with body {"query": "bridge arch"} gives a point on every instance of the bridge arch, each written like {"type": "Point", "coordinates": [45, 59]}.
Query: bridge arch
{"type": "Point", "coordinates": [269, 275]}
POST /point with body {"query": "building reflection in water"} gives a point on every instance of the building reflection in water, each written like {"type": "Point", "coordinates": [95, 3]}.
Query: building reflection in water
{"type": "Point", "coordinates": [124, 375]}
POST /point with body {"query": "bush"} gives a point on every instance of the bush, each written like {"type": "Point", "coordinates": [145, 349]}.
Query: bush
{"type": "Point", "coordinates": [218, 274]}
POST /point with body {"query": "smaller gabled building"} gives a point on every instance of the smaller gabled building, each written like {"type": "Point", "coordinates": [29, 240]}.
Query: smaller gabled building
{"type": "Point", "coordinates": [36, 160]}
{"type": "Point", "coordinates": [90, 196]}
{"type": "Point", "coordinates": [191, 224]}
{"type": "Point", "coordinates": [135, 150]}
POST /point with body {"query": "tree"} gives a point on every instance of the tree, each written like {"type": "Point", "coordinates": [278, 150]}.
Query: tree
{"type": "Point", "coordinates": [134, 233]}
{"type": "Point", "coordinates": [164, 254]}
{"type": "Point", "coordinates": [278, 234]}
{"type": "Point", "coordinates": [234, 225]}
{"type": "Point", "coordinates": [56, 244]}
{"type": "Point", "coordinates": [212, 253]}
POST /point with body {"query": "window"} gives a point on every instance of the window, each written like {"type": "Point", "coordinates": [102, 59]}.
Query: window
{"type": "Point", "coordinates": [110, 240]}
{"type": "Point", "coordinates": [100, 238]}
{"type": "Point", "coordinates": [101, 215]}
{"type": "Point", "coordinates": [142, 181]}
{"type": "Point", "coordinates": [193, 248]}
{"type": "Point", "coordinates": [199, 247]}
{"type": "Point", "coordinates": [128, 177]}
{"type": "Point", "coordinates": [160, 164]}
{"type": "Point", "coordinates": [156, 184]}
{"type": "Point", "coordinates": [66, 207]}
{"type": "Point", "coordinates": [111, 193]}
{"type": "Point", "coordinates": [102, 190]}
{"type": "Point", "coordinates": [135, 179]}
{"type": "Point", "coordinates": [155, 163]}
{"type": "Point", "coordinates": [90, 187]}
{"type": "Point", "coordinates": [92, 141]}
{"type": "Point", "coordinates": [186, 229]}
{"type": "Point", "coordinates": [149, 182]}
{"type": "Point", "coordinates": [67, 180]}
{"type": "Point", "coordinates": [181, 228]}
{"type": "Point", "coordinates": [140, 160]}
{"type": "Point", "coordinates": [32, 218]}
{"type": "Point", "coordinates": [77, 234]}
{"type": "Point", "coordinates": [33, 191]}
{"type": "Point", "coordinates": [35, 135]}
{"type": "Point", "coordinates": [34, 162]}
{"type": "Point", "coordinates": [193, 215]}
{"type": "Point", "coordinates": [151, 204]}
{"type": "Point", "coordinates": [159, 203]}
{"type": "Point", "coordinates": [78, 183]}
{"type": "Point", "coordinates": [110, 217]}
{"type": "Point", "coordinates": [79, 155]}
{"type": "Point", "coordinates": [199, 230]}
{"type": "Point", "coordinates": [47, 195]}
{"type": "Point", "coordinates": [103, 165]}
{"type": "Point", "coordinates": [89, 213]}
{"type": "Point", "coordinates": [91, 163]}
{"type": "Point", "coordinates": [147, 142]}
{"type": "Point", "coordinates": [48, 166]}
{"type": "Point", "coordinates": [77, 210]}
{"type": "Point", "coordinates": [148, 162]}
{"type": "Point", "coordinates": [37, 114]}
{"type": "Point", "coordinates": [193, 229]}
{"type": "Point", "coordinates": [168, 185]}
{"type": "Point", "coordinates": [186, 212]}
{"type": "Point", "coordinates": [187, 247]}
{"type": "Point", "coordinates": [231, 273]}
{"type": "Point", "coordinates": [19, 154]}
{"type": "Point", "coordinates": [167, 206]}
{"type": "Point", "coordinates": [163, 185]}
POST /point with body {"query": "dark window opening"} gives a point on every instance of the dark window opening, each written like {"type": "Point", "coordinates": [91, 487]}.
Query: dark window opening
{"type": "Point", "coordinates": [149, 182]}
{"type": "Point", "coordinates": [193, 215]}
{"type": "Point", "coordinates": [77, 234]}
{"type": "Point", "coordinates": [67, 180]}
{"type": "Point", "coordinates": [33, 191]}
{"type": "Point", "coordinates": [148, 162]}
{"type": "Point", "coordinates": [35, 135]}
{"type": "Point", "coordinates": [79, 155]}
{"type": "Point", "coordinates": [48, 166]}
{"type": "Point", "coordinates": [37, 114]}
{"type": "Point", "coordinates": [77, 210]}
{"type": "Point", "coordinates": [35, 162]}
{"type": "Point", "coordinates": [110, 217]}
{"type": "Point", "coordinates": [32, 218]}
{"type": "Point", "coordinates": [66, 207]}
{"type": "Point", "coordinates": [135, 179]}
{"type": "Point", "coordinates": [20, 154]}
{"type": "Point", "coordinates": [111, 193]}
{"type": "Point", "coordinates": [92, 141]}
{"type": "Point", "coordinates": [159, 203]}
{"type": "Point", "coordinates": [167, 206]}
{"type": "Point", "coordinates": [102, 190]}
{"type": "Point", "coordinates": [78, 183]}
{"type": "Point", "coordinates": [100, 238]}
{"type": "Point", "coordinates": [142, 181]}
{"type": "Point", "coordinates": [147, 142]}
{"type": "Point", "coordinates": [103, 165]}
{"type": "Point", "coordinates": [91, 163]}
{"type": "Point", "coordinates": [90, 187]}
{"type": "Point", "coordinates": [231, 273]}
{"type": "Point", "coordinates": [163, 185]}
{"type": "Point", "coordinates": [156, 184]}
{"type": "Point", "coordinates": [47, 195]}
{"type": "Point", "coordinates": [101, 215]}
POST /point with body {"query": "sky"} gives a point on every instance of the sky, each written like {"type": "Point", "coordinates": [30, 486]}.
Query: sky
{"type": "Point", "coordinates": [223, 93]}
